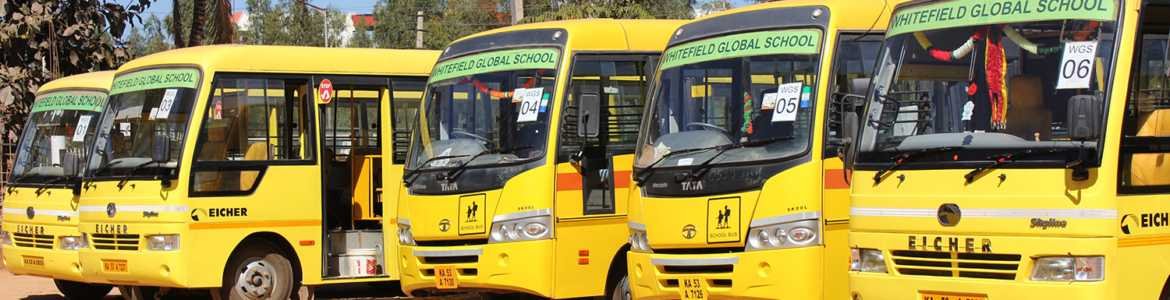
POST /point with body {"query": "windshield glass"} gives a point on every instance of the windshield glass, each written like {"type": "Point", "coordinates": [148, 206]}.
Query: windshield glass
{"type": "Point", "coordinates": [143, 130]}
{"type": "Point", "coordinates": [488, 108]}
{"type": "Point", "coordinates": [743, 89]}
{"type": "Point", "coordinates": [982, 76]}
{"type": "Point", "coordinates": [57, 135]}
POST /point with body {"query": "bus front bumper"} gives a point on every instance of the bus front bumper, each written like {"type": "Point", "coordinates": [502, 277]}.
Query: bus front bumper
{"type": "Point", "coordinates": [769, 274]}
{"type": "Point", "coordinates": [127, 261]}
{"type": "Point", "coordinates": [516, 267]}
{"type": "Point", "coordinates": [972, 283]}
{"type": "Point", "coordinates": [44, 257]}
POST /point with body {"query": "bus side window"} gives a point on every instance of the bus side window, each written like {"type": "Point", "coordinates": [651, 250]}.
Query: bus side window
{"type": "Point", "coordinates": [249, 122]}
{"type": "Point", "coordinates": [406, 98]}
{"type": "Point", "coordinates": [1144, 167]}
{"type": "Point", "coordinates": [855, 58]}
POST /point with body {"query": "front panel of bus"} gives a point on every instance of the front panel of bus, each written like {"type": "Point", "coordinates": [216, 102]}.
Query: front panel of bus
{"type": "Point", "coordinates": [40, 234]}
{"type": "Point", "coordinates": [496, 158]}
{"type": "Point", "coordinates": [985, 166]}
{"type": "Point", "coordinates": [729, 170]}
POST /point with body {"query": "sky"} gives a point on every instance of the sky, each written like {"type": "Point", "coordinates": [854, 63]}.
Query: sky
{"type": "Point", "coordinates": [162, 8]}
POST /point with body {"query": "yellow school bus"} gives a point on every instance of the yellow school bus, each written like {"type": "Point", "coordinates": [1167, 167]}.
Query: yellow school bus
{"type": "Point", "coordinates": [1015, 150]}
{"type": "Point", "coordinates": [517, 177]}
{"type": "Point", "coordinates": [250, 170]}
{"type": "Point", "coordinates": [739, 189]}
{"type": "Point", "coordinates": [39, 234]}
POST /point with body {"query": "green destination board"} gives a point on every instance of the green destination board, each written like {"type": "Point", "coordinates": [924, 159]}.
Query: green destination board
{"type": "Point", "coordinates": [791, 41]}
{"type": "Point", "coordinates": [155, 79]}
{"type": "Point", "coordinates": [495, 61]}
{"type": "Point", "coordinates": [70, 100]}
{"type": "Point", "coordinates": [961, 13]}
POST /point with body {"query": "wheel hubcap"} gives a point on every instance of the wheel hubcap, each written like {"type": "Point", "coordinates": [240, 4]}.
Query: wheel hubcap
{"type": "Point", "coordinates": [255, 281]}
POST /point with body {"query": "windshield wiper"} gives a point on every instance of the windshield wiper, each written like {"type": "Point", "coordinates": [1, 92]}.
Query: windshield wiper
{"type": "Point", "coordinates": [701, 169]}
{"type": "Point", "coordinates": [49, 183]}
{"type": "Point", "coordinates": [649, 169]}
{"type": "Point", "coordinates": [126, 178]}
{"type": "Point", "coordinates": [454, 173]}
{"type": "Point", "coordinates": [904, 157]}
{"type": "Point", "coordinates": [999, 160]}
{"type": "Point", "coordinates": [410, 175]}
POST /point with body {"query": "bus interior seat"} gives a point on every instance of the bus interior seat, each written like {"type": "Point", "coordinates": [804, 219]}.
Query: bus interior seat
{"type": "Point", "coordinates": [256, 151]}
{"type": "Point", "coordinates": [1028, 115]}
{"type": "Point", "coordinates": [1151, 168]}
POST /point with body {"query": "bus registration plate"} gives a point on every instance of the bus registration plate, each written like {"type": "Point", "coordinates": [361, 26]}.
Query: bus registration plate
{"type": "Point", "coordinates": [692, 288]}
{"type": "Point", "coordinates": [114, 266]}
{"type": "Point", "coordinates": [952, 296]}
{"type": "Point", "coordinates": [446, 277]}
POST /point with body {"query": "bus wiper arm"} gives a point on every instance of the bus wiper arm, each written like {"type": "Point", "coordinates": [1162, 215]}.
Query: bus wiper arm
{"type": "Point", "coordinates": [126, 178]}
{"type": "Point", "coordinates": [645, 173]}
{"type": "Point", "coordinates": [1006, 158]}
{"type": "Point", "coordinates": [49, 183]}
{"type": "Point", "coordinates": [411, 175]}
{"type": "Point", "coordinates": [904, 157]}
{"type": "Point", "coordinates": [454, 174]}
{"type": "Point", "coordinates": [701, 169]}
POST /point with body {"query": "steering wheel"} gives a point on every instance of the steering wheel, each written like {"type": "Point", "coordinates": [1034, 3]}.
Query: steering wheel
{"type": "Point", "coordinates": [464, 133]}
{"type": "Point", "coordinates": [707, 126]}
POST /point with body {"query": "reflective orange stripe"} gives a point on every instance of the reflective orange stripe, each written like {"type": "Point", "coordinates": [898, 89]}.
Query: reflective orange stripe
{"type": "Point", "coordinates": [835, 179]}
{"type": "Point", "coordinates": [568, 181]}
{"type": "Point", "coordinates": [1143, 241]}
{"type": "Point", "coordinates": [251, 224]}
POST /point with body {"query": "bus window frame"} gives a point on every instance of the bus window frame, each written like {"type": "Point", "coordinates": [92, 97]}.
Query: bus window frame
{"type": "Point", "coordinates": [1130, 145]}
{"type": "Point", "coordinates": [829, 150]}
{"type": "Point", "coordinates": [260, 166]}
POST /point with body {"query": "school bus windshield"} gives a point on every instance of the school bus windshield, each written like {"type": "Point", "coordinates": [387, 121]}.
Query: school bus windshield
{"type": "Point", "coordinates": [747, 95]}
{"type": "Point", "coordinates": [57, 135]}
{"type": "Point", "coordinates": [143, 131]}
{"type": "Point", "coordinates": [489, 114]}
{"type": "Point", "coordinates": [987, 83]}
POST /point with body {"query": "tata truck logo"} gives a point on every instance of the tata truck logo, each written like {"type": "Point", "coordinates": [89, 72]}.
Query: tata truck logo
{"type": "Point", "coordinates": [949, 214]}
{"type": "Point", "coordinates": [692, 186]}
{"type": "Point", "coordinates": [689, 231]}
{"type": "Point", "coordinates": [30, 212]}
{"type": "Point", "coordinates": [111, 210]}
{"type": "Point", "coordinates": [444, 225]}
{"type": "Point", "coordinates": [449, 186]}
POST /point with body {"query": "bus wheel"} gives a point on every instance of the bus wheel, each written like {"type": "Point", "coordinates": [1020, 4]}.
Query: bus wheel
{"type": "Point", "coordinates": [258, 273]}
{"type": "Point", "coordinates": [138, 292]}
{"type": "Point", "coordinates": [81, 291]}
{"type": "Point", "coordinates": [621, 290]}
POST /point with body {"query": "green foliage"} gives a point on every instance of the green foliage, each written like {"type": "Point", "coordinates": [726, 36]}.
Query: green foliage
{"type": "Point", "coordinates": [617, 9]}
{"type": "Point", "coordinates": [148, 38]}
{"type": "Point", "coordinates": [396, 21]}
{"type": "Point", "coordinates": [291, 22]}
{"type": "Point", "coordinates": [47, 39]}
{"type": "Point", "coordinates": [460, 18]}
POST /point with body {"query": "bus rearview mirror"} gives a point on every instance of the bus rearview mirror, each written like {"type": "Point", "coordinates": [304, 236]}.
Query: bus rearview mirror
{"type": "Point", "coordinates": [589, 120]}
{"type": "Point", "coordinates": [1084, 117]}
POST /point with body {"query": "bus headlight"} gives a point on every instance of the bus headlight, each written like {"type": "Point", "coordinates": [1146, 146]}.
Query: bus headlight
{"type": "Point", "coordinates": [73, 242]}
{"type": "Point", "coordinates": [867, 260]}
{"type": "Point", "coordinates": [405, 236]}
{"type": "Point", "coordinates": [5, 239]}
{"type": "Point", "coordinates": [785, 234]}
{"type": "Point", "coordinates": [522, 226]}
{"type": "Point", "coordinates": [162, 242]}
{"type": "Point", "coordinates": [638, 240]}
{"type": "Point", "coordinates": [1068, 268]}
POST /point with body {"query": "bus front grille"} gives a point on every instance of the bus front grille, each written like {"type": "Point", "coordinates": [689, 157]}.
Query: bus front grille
{"type": "Point", "coordinates": [956, 264]}
{"type": "Point", "coordinates": [28, 240]}
{"type": "Point", "coordinates": [116, 242]}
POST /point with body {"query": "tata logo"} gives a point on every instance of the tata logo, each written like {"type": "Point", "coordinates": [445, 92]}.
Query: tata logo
{"type": "Point", "coordinates": [949, 214]}
{"type": "Point", "coordinates": [111, 210]}
{"type": "Point", "coordinates": [688, 231]}
{"type": "Point", "coordinates": [449, 186]}
{"type": "Point", "coordinates": [691, 186]}
{"type": "Point", "coordinates": [30, 212]}
{"type": "Point", "coordinates": [444, 225]}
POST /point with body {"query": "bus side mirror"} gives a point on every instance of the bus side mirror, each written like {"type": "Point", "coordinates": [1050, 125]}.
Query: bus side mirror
{"type": "Point", "coordinates": [160, 149]}
{"type": "Point", "coordinates": [1084, 117]}
{"type": "Point", "coordinates": [589, 118]}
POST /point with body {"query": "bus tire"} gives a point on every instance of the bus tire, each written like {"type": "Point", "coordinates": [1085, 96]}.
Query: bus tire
{"type": "Point", "coordinates": [258, 271]}
{"type": "Point", "coordinates": [81, 291]}
{"type": "Point", "coordinates": [621, 290]}
{"type": "Point", "coordinates": [1165, 295]}
{"type": "Point", "coordinates": [139, 292]}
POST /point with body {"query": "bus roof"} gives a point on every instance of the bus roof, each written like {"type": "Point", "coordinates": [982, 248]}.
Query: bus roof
{"type": "Point", "coordinates": [847, 15]}
{"type": "Point", "coordinates": [292, 59]}
{"type": "Point", "coordinates": [640, 35]}
{"type": "Point", "coordinates": [99, 80]}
